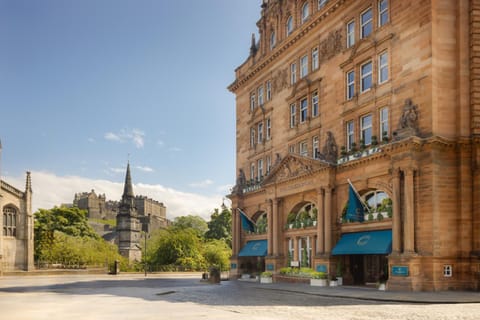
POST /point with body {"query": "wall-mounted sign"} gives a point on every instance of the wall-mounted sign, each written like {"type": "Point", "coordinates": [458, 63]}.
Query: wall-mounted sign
{"type": "Point", "coordinates": [294, 263]}
{"type": "Point", "coordinates": [400, 271]}
{"type": "Point", "coordinates": [270, 267]}
{"type": "Point", "coordinates": [233, 266]}
{"type": "Point", "coordinates": [321, 268]}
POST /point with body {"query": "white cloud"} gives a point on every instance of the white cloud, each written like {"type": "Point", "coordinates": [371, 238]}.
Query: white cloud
{"type": "Point", "coordinates": [50, 190]}
{"type": "Point", "coordinates": [201, 184]}
{"type": "Point", "coordinates": [136, 136]}
{"type": "Point", "coordinates": [175, 149]}
{"type": "Point", "coordinates": [144, 169]}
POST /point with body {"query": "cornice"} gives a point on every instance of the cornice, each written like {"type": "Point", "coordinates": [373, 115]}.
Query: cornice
{"type": "Point", "coordinates": [12, 190]}
{"type": "Point", "coordinates": [292, 39]}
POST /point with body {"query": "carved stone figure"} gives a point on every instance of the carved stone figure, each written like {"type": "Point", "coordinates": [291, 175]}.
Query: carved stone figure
{"type": "Point", "coordinates": [330, 150]}
{"type": "Point", "coordinates": [241, 179]}
{"type": "Point", "coordinates": [409, 117]}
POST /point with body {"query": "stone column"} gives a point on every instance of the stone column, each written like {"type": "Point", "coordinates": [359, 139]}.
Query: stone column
{"type": "Point", "coordinates": [295, 249]}
{"type": "Point", "coordinates": [409, 221]}
{"type": "Point", "coordinates": [320, 248]}
{"type": "Point", "coordinates": [276, 217]}
{"type": "Point", "coordinates": [235, 232]}
{"type": "Point", "coordinates": [270, 231]}
{"type": "Point", "coordinates": [396, 214]}
{"type": "Point", "coordinates": [328, 219]}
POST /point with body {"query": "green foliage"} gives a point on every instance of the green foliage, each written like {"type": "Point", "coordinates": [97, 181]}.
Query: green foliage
{"type": "Point", "coordinates": [266, 274]}
{"type": "Point", "coordinates": [291, 217]}
{"type": "Point", "coordinates": [195, 223]}
{"type": "Point", "coordinates": [297, 272]}
{"type": "Point", "coordinates": [319, 275]}
{"type": "Point", "coordinates": [217, 253]}
{"type": "Point", "coordinates": [110, 222]}
{"type": "Point", "coordinates": [220, 226]}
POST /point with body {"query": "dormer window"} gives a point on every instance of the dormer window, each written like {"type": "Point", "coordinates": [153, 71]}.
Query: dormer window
{"type": "Point", "coordinates": [289, 25]}
{"type": "Point", "coordinates": [305, 12]}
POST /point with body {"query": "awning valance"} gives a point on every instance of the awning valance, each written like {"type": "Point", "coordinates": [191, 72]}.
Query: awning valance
{"type": "Point", "coordinates": [254, 248]}
{"type": "Point", "coordinates": [369, 242]}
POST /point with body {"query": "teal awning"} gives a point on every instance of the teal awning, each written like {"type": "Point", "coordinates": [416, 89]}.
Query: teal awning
{"type": "Point", "coordinates": [254, 248]}
{"type": "Point", "coordinates": [370, 242]}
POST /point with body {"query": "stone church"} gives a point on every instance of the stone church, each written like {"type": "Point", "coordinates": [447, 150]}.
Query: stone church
{"type": "Point", "coordinates": [16, 225]}
{"type": "Point", "coordinates": [358, 142]}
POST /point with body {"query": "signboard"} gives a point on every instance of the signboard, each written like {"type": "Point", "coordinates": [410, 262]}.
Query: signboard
{"type": "Point", "coordinates": [321, 268]}
{"type": "Point", "coordinates": [233, 266]}
{"type": "Point", "coordinates": [294, 264]}
{"type": "Point", "coordinates": [270, 267]}
{"type": "Point", "coordinates": [400, 271]}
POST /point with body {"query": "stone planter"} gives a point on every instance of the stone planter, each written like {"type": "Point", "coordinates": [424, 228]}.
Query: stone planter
{"type": "Point", "coordinates": [382, 287]}
{"type": "Point", "coordinates": [318, 282]}
{"type": "Point", "coordinates": [265, 279]}
{"type": "Point", "coordinates": [333, 283]}
{"type": "Point", "coordinates": [340, 281]}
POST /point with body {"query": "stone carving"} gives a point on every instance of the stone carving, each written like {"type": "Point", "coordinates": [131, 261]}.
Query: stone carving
{"type": "Point", "coordinates": [293, 167]}
{"type": "Point", "coordinates": [332, 45]}
{"type": "Point", "coordinates": [330, 150]}
{"type": "Point", "coordinates": [408, 124]}
{"type": "Point", "coordinates": [278, 159]}
{"type": "Point", "coordinates": [280, 80]}
{"type": "Point", "coordinates": [241, 179]}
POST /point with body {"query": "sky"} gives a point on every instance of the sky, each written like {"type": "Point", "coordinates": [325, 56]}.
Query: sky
{"type": "Point", "coordinates": [88, 85]}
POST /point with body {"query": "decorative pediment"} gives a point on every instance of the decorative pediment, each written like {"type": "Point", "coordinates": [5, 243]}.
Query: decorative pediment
{"type": "Point", "coordinates": [294, 166]}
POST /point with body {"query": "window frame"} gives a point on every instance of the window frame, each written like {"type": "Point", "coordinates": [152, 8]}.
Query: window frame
{"type": "Point", "coordinates": [366, 75]}
{"type": "Point", "coordinates": [268, 129]}
{"type": "Point", "coordinates": [315, 60]}
{"type": "Point", "coordinates": [350, 134]}
{"type": "Point", "coordinates": [305, 12]}
{"type": "Point", "coordinates": [350, 92]}
{"type": "Point", "coordinates": [261, 101]}
{"type": "Point", "coordinates": [260, 133]}
{"type": "Point", "coordinates": [273, 40]}
{"type": "Point", "coordinates": [303, 110]}
{"type": "Point", "coordinates": [315, 147]}
{"type": "Point", "coordinates": [351, 33]}
{"type": "Point", "coordinates": [289, 25]}
{"type": "Point", "coordinates": [303, 148]}
{"type": "Point", "coordinates": [252, 171]}
{"type": "Point", "coordinates": [382, 67]}
{"type": "Point", "coordinates": [293, 115]}
{"type": "Point", "coordinates": [383, 13]}
{"type": "Point", "coordinates": [367, 23]}
{"type": "Point", "coordinates": [252, 101]}
{"type": "Point", "coordinates": [304, 66]}
{"type": "Point", "coordinates": [268, 86]}
{"type": "Point", "coordinates": [260, 169]}
{"type": "Point", "coordinates": [366, 128]}
{"type": "Point", "coordinates": [269, 165]}
{"type": "Point", "coordinates": [252, 137]}
{"type": "Point", "coordinates": [322, 3]}
{"type": "Point", "coordinates": [383, 122]}
{"type": "Point", "coordinates": [315, 105]}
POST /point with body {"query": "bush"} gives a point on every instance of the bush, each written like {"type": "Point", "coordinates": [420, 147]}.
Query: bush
{"type": "Point", "coordinates": [319, 275]}
{"type": "Point", "coordinates": [266, 274]}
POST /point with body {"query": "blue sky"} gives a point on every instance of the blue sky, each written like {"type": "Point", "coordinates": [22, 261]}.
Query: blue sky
{"type": "Point", "coordinates": [87, 84]}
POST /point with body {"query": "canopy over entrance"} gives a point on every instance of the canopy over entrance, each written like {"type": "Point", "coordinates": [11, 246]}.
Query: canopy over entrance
{"type": "Point", "coordinates": [369, 242]}
{"type": "Point", "coordinates": [254, 248]}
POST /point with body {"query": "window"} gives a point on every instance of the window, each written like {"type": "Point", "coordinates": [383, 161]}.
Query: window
{"type": "Point", "coordinates": [269, 164]}
{"type": "Point", "coordinates": [273, 40]}
{"type": "Point", "coordinates": [315, 59]}
{"type": "Point", "coordinates": [289, 25]}
{"type": "Point", "coordinates": [316, 150]}
{"type": "Point", "coordinates": [293, 73]}
{"type": "Point", "coordinates": [305, 12]}
{"type": "Point", "coordinates": [304, 148]}
{"type": "Point", "coordinates": [293, 115]}
{"type": "Point", "coordinates": [252, 137]}
{"type": "Point", "coordinates": [366, 77]}
{"type": "Point", "coordinates": [260, 132]}
{"type": "Point", "coordinates": [252, 171]}
{"type": "Point", "coordinates": [382, 12]}
{"type": "Point", "coordinates": [366, 129]}
{"type": "Point", "coordinates": [269, 90]}
{"type": "Point", "coordinates": [350, 135]}
{"type": "Point", "coordinates": [9, 222]}
{"type": "Point", "coordinates": [366, 21]}
{"type": "Point", "coordinates": [252, 101]}
{"type": "Point", "coordinates": [315, 104]}
{"type": "Point", "coordinates": [269, 129]}
{"type": "Point", "coordinates": [303, 66]}
{"type": "Point", "coordinates": [260, 96]}
{"type": "Point", "coordinates": [376, 200]}
{"type": "Point", "coordinates": [350, 85]}
{"type": "Point", "coordinates": [322, 3]}
{"type": "Point", "coordinates": [260, 169]}
{"type": "Point", "coordinates": [383, 67]}
{"type": "Point", "coordinates": [350, 34]}
{"type": "Point", "coordinates": [303, 110]}
{"type": "Point", "coordinates": [383, 123]}
{"type": "Point", "coordinates": [291, 148]}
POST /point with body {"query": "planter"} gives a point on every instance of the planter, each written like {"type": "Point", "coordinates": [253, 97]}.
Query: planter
{"type": "Point", "coordinates": [318, 282]}
{"type": "Point", "coordinates": [340, 281]}
{"type": "Point", "coordinates": [333, 283]}
{"type": "Point", "coordinates": [265, 279]}
{"type": "Point", "coordinates": [382, 287]}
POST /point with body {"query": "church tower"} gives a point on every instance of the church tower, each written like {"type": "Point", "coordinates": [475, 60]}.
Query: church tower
{"type": "Point", "coordinates": [128, 224]}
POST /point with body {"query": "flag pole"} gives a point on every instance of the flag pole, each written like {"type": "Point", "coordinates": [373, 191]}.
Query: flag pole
{"type": "Point", "coordinates": [245, 215]}
{"type": "Point", "coordinates": [359, 197]}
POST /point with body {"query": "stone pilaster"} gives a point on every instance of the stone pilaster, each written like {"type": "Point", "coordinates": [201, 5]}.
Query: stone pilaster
{"type": "Point", "coordinates": [409, 221]}
{"type": "Point", "coordinates": [320, 248]}
{"type": "Point", "coordinates": [396, 214]}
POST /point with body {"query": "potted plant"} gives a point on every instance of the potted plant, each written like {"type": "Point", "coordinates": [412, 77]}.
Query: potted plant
{"type": "Point", "coordinates": [339, 273]}
{"type": "Point", "coordinates": [374, 141]}
{"type": "Point", "coordinates": [314, 216]}
{"type": "Point", "coordinates": [266, 277]}
{"type": "Point", "coordinates": [318, 279]}
{"type": "Point", "coordinates": [334, 281]}
{"type": "Point", "coordinates": [291, 219]}
{"type": "Point", "coordinates": [343, 151]}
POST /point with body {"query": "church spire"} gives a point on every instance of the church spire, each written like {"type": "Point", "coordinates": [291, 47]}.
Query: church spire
{"type": "Point", "coordinates": [128, 188]}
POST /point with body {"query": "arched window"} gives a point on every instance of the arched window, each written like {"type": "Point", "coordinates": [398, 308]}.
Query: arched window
{"type": "Point", "coordinates": [273, 40]}
{"type": "Point", "coordinates": [9, 222]}
{"type": "Point", "coordinates": [305, 12]}
{"type": "Point", "coordinates": [261, 224]}
{"type": "Point", "coordinates": [289, 25]}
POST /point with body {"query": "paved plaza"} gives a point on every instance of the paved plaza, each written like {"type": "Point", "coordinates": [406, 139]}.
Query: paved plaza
{"type": "Point", "coordinates": [183, 296]}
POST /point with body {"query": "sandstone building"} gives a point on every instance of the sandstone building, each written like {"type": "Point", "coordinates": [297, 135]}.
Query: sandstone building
{"type": "Point", "coordinates": [382, 94]}
{"type": "Point", "coordinates": [16, 225]}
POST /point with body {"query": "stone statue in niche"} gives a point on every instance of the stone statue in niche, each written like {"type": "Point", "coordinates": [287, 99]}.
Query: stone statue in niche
{"type": "Point", "coordinates": [408, 124]}
{"type": "Point", "coordinates": [330, 150]}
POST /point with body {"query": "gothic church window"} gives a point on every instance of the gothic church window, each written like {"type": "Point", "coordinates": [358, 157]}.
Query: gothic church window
{"type": "Point", "coordinates": [9, 222]}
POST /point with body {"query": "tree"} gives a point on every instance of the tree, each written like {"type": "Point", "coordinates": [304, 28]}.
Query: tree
{"type": "Point", "coordinates": [196, 223]}
{"type": "Point", "coordinates": [217, 253]}
{"type": "Point", "coordinates": [220, 226]}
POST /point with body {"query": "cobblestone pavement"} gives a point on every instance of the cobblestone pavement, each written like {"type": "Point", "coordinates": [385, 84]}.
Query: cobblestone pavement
{"type": "Point", "coordinates": [170, 297]}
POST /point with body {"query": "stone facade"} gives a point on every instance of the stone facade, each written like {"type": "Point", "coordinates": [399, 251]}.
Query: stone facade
{"type": "Point", "coordinates": [382, 93]}
{"type": "Point", "coordinates": [16, 225]}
